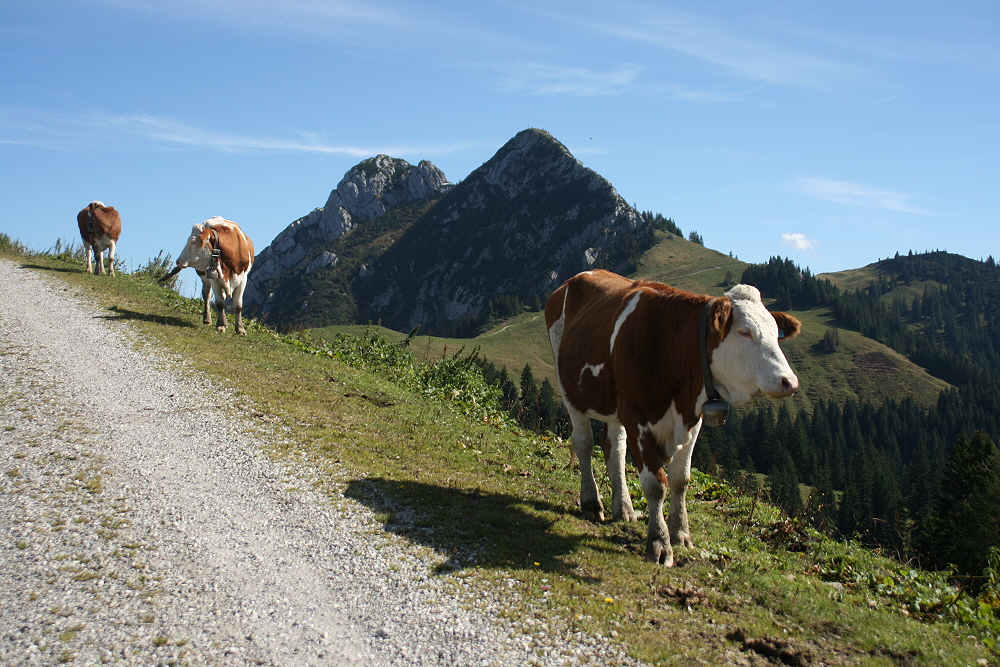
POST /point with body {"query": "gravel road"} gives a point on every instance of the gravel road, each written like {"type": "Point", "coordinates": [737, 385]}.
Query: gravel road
{"type": "Point", "coordinates": [142, 524]}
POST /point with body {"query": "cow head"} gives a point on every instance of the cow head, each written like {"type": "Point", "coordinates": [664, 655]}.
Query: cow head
{"type": "Point", "coordinates": [747, 358]}
{"type": "Point", "coordinates": [197, 252]}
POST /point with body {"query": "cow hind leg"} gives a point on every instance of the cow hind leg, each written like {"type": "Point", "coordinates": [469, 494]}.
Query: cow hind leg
{"type": "Point", "coordinates": [238, 312]}
{"type": "Point", "coordinates": [615, 448]}
{"type": "Point", "coordinates": [238, 308]}
{"type": "Point", "coordinates": [111, 258]}
{"type": "Point", "coordinates": [583, 445]}
{"type": "Point", "coordinates": [654, 487]}
{"type": "Point", "coordinates": [90, 259]}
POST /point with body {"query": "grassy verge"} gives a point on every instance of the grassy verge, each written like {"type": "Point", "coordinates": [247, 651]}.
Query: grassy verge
{"type": "Point", "coordinates": [499, 505]}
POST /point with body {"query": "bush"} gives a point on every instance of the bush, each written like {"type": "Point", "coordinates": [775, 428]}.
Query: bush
{"type": "Point", "coordinates": [156, 268]}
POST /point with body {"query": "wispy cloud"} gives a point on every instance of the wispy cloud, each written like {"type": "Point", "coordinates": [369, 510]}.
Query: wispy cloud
{"type": "Point", "coordinates": [335, 18]}
{"type": "Point", "coordinates": [856, 194]}
{"type": "Point", "coordinates": [542, 78]}
{"type": "Point", "coordinates": [754, 55]}
{"type": "Point", "coordinates": [799, 241]}
{"type": "Point", "coordinates": [149, 132]}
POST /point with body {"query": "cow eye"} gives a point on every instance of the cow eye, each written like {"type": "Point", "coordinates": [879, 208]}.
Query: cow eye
{"type": "Point", "coordinates": [745, 333]}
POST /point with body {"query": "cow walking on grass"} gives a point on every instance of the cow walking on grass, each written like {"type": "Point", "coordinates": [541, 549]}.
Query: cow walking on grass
{"type": "Point", "coordinates": [643, 357]}
{"type": "Point", "coordinates": [100, 227]}
{"type": "Point", "coordinates": [222, 255]}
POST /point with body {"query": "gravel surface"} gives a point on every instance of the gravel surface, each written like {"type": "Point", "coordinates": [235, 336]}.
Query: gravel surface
{"type": "Point", "coordinates": [142, 524]}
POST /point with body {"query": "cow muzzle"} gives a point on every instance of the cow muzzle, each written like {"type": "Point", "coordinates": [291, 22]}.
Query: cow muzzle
{"type": "Point", "coordinates": [786, 387]}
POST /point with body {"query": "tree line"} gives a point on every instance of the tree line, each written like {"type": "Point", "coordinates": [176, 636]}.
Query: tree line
{"type": "Point", "coordinates": [921, 482]}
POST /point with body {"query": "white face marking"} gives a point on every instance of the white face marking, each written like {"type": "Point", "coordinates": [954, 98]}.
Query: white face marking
{"type": "Point", "coordinates": [628, 310]}
{"type": "Point", "coordinates": [749, 359]}
{"type": "Point", "coordinates": [193, 254]}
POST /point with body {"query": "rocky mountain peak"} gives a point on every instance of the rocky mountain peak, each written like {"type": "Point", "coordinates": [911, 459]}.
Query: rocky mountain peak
{"type": "Point", "coordinates": [526, 220]}
{"type": "Point", "coordinates": [397, 244]}
{"type": "Point", "coordinates": [367, 191]}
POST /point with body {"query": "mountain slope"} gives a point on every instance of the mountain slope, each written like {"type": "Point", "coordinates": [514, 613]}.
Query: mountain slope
{"type": "Point", "coordinates": [528, 219]}
{"type": "Point", "coordinates": [279, 285]}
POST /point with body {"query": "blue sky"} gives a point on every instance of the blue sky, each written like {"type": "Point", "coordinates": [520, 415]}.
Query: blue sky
{"type": "Point", "coordinates": [833, 133]}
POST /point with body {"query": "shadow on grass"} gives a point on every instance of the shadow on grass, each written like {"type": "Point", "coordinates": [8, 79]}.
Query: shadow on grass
{"type": "Point", "coordinates": [478, 528]}
{"type": "Point", "coordinates": [54, 269]}
{"type": "Point", "coordinates": [125, 314]}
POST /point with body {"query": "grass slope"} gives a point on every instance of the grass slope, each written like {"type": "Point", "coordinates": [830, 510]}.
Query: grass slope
{"type": "Point", "coordinates": [500, 508]}
{"type": "Point", "coordinates": [862, 369]}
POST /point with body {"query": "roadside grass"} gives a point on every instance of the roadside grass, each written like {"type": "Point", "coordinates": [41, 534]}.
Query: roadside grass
{"type": "Point", "coordinates": [500, 508]}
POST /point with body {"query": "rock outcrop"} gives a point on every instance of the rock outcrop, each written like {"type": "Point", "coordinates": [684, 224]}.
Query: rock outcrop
{"type": "Point", "coordinates": [397, 244]}
{"type": "Point", "coordinates": [367, 192]}
{"type": "Point", "coordinates": [521, 224]}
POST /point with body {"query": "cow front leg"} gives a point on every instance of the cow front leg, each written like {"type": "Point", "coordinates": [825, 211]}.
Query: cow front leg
{"type": "Point", "coordinates": [206, 289]}
{"type": "Point", "coordinates": [654, 487]}
{"type": "Point", "coordinates": [220, 322]}
{"type": "Point", "coordinates": [582, 440]}
{"type": "Point", "coordinates": [615, 448]}
{"type": "Point", "coordinates": [680, 477]}
{"type": "Point", "coordinates": [111, 259]}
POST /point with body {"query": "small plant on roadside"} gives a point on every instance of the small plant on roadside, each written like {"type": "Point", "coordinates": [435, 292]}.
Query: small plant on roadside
{"type": "Point", "coordinates": [156, 268]}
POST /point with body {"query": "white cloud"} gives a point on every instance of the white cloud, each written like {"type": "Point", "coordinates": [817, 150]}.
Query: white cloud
{"type": "Point", "coordinates": [856, 194]}
{"type": "Point", "coordinates": [799, 241]}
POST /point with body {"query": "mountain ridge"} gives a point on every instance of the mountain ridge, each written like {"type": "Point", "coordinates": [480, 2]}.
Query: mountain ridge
{"type": "Point", "coordinates": [512, 231]}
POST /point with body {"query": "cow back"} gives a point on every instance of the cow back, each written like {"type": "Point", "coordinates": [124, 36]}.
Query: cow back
{"type": "Point", "coordinates": [236, 251]}
{"type": "Point", "coordinates": [97, 220]}
{"type": "Point", "coordinates": [631, 345]}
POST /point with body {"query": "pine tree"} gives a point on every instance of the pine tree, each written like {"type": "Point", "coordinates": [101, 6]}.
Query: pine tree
{"type": "Point", "coordinates": [528, 414]}
{"type": "Point", "coordinates": [965, 520]}
{"type": "Point", "coordinates": [784, 484]}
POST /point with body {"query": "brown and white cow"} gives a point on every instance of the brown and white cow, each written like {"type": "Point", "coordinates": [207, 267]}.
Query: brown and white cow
{"type": "Point", "coordinates": [222, 255]}
{"type": "Point", "coordinates": [100, 227]}
{"type": "Point", "coordinates": [628, 353]}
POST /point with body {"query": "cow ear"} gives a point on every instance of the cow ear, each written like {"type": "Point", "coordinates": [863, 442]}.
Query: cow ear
{"type": "Point", "coordinates": [720, 317]}
{"type": "Point", "coordinates": [788, 326]}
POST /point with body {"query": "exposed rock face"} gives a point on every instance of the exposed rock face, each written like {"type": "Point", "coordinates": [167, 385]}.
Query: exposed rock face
{"type": "Point", "coordinates": [367, 191]}
{"type": "Point", "coordinates": [525, 221]}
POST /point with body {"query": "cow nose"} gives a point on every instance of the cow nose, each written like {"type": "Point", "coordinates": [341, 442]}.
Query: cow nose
{"type": "Point", "coordinates": [789, 385]}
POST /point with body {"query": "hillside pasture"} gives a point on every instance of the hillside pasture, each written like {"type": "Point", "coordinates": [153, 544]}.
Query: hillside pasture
{"type": "Point", "coordinates": [498, 507]}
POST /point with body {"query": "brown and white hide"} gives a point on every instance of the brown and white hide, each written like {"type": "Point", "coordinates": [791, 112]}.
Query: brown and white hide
{"type": "Point", "coordinates": [628, 353]}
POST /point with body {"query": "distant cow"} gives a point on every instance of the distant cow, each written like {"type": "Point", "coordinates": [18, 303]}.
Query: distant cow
{"type": "Point", "coordinates": [100, 227]}
{"type": "Point", "coordinates": [222, 255]}
{"type": "Point", "coordinates": [630, 353]}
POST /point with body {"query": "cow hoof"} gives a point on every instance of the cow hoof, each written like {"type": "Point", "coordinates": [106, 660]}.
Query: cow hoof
{"type": "Point", "coordinates": [593, 512]}
{"type": "Point", "coordinates": [626, 514]}
{"type": "Point", "coordinates": [241, 332]}
{"type": "Point", "coordinates": [207, 320]}
{"type": "Point", "coordinates": [682, 540]}
{"type": "Point", "coordinates": [221, 329]}
{"type": "Point", "coordinates": [659, 551]}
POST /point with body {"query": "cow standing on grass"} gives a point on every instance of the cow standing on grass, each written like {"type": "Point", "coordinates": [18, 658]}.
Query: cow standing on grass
{"type": "Point", "coordinates": [100, 227]}
{"type": "Point", "coordinates": [222, 255]}
{"type": "Point", "coordinates": [643, 357]}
